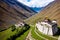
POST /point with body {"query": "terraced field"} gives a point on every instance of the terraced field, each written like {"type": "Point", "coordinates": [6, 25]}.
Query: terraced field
{"type": "Point", "coordinates": [40, 36]}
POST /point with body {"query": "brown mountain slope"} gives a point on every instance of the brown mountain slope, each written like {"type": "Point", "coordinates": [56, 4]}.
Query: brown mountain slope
{"type": "Point", "coordinates": [52, 11]}
{"type": "Point", "coordinates": [12, 12]}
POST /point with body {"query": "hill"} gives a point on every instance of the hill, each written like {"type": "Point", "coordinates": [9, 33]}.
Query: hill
{"type": "Point", "coordinates": [52, 11]}
{"type": "Point", "coordinates": [12, 11]}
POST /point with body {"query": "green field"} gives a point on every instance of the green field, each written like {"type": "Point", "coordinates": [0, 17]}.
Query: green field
{"type": "Point", "coordinates": [20, 33]}
{"type": "Point", "coordinates": [6, 34]}
{"type": "Point", "coordinates": [22, 37]}
{"type": "Point", "coordinates": [34, 35]}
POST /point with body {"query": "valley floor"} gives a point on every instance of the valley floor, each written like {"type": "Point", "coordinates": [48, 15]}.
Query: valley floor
{"type": "Point", "coordinates": [32, 34]}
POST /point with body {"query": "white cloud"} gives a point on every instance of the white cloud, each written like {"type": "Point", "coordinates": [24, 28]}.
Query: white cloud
{"type": "Point", "coordinates": [36, 3]}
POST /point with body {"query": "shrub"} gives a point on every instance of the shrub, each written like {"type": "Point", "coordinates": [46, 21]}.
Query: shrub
{"type": "Point", "coordinates": [19, 33]}
{"type": "Point", "coordinates": [13, 27]}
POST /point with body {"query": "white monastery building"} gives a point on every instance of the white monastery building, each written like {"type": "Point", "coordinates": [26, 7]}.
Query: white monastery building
{"type": "Point", "coordinates": [47, 28]}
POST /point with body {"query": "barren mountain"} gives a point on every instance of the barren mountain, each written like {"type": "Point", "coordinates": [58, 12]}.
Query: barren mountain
{"type": "Point", "coordinates": [12, 11]}
{"type": "Point", "coordinates": [52, 11]}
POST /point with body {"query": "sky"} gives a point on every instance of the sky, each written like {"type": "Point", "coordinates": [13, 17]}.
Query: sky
{"type": "Point", "coordinates": [35, 3]}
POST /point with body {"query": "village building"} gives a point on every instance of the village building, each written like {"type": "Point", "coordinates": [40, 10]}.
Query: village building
{"type": "Point", "coordinates": [19, 24]}
{"type": "Point", "coordinates": [48, 28]}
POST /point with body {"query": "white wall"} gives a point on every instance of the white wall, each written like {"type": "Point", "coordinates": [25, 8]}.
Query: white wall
{"type": "Point", "coordinates": [45, 28]}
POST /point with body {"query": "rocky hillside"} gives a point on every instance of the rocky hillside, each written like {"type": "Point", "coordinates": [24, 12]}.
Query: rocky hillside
{"type": "Point", "coordinates": [52, 11]}
{"type": "Point", "coordinates": [12, 11]}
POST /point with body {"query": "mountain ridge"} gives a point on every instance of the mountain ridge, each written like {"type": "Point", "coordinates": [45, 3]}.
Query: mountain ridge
{"type": "Point", "coordinates": [12, 13]}
{"type": "Point", "coordinates": [52, 11]}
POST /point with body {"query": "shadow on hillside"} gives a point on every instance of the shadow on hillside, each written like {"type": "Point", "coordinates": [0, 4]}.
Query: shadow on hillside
{"type": "Point", "coordinates": [3, 30]}
{"type": "Point", "coordinates": [58, 32]}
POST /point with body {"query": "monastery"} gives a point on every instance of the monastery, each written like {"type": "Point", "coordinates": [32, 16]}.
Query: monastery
{"type": "Point", "coordinates": [47, 27]}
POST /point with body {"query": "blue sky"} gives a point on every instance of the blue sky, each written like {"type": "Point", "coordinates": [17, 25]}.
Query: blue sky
{"type": "Point", "coordinates": [35, 3]}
